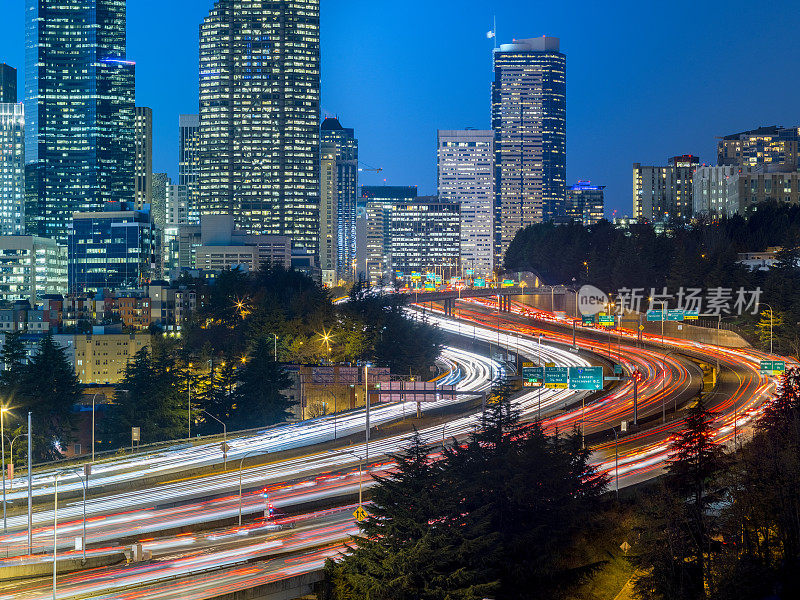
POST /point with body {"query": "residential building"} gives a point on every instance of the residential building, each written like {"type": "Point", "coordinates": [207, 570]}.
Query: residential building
{"type": "Point", "coordinates": [425, 236]}
{"type": "Point", "coordinates": [101, 357]}
{"type": "Point", "coordinates": [716, 190]}
{"type": "Point", "coordinates": [189, 167]}
{"type": "Point", "coordinates": [529, 119]}
{"type": "Point", "coordinates": [160, 205]}
{"type": "Point", "coordinates": [8, 84]}
{"type": "Point", "coordinates": [585, 202]}
{"type": "Point", "coordinates": [466, 176]}
{"type": "Point", "coordinates": [260, 115]}
{"type": "Point", "coordinates": [346, 147]}
{"type": "Point", "coordinates": [373, 260]}
{"type": "Point", "coordinates": [79, 107]}
{"type": "Point", "coordinates": [113, 249]}
{"type": "Point", "coordinates": [31, 267]}
{"type": "Point", "coordinates": [776, 148]}
{"type": "Point", "coordinates": [143, 165]}
{"type": "Point", "coordinates": [328, 215]}
{"type": "Point", "coordinates": [21, 318]}
{"type": "Point", "coordinates": [757, 186]}
{"type": "Point", "coordinates": [216, 244]}
{"type": "Point", "coordinates": [661, 193]}
{"type": "Point", "coordinates": [12, 168]}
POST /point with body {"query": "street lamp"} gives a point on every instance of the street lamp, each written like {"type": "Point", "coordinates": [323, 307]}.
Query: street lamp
{"type": "Point", "coordinates": [616, 447]}
{"type": "Point", "coordinates": [330, 393]}
{"type": "Point", "coordinates": [55, 524]}
{"type": "Point", "coordinates": [11, 456]}
{"type": "Point", "coordinates": [360, 473]}
{"type": "Point", "coordinates": [663, 385]}
{"type": "Point", "coordinates": [224, 439]}
{"type": "Point", "coordinates": [663, 304]}
{"type": "Point", "coordinates": [241, 464]}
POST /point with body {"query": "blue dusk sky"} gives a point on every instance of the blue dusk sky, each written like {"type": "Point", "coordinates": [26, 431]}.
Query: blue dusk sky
{"type": "Point", "coordinates": [645, 80]}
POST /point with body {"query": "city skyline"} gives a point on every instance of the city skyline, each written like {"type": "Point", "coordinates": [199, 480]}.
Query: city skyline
{"type": "Point", "coordinates": [647, 96]}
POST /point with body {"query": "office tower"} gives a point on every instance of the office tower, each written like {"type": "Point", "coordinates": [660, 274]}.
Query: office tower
{"type": "Point", "coordinates": [661, 193]}
{"type": "Point", "coordinates": [529, 119]}
{"type": "Point", "coordinates": [12, 155]}
{"type": "Point", "coordinates": [8, 84]}
{"type": "Point", "coordinates": [259, 116]}
{"type": "Point", "coordinates": [143, 168]}
{"type": "Point", "coordinates": [79, 107]}
{"type": "Point", "coordinates": [116, 248]}
{"type": "Point", "coordinates": [424, 236]}
{"type": "Point", "coordinates": [775, 148]}
{"type": "Point", "coordinates": [328, 215]}
{"type": "Point", "coordinates": [346, 146]}
{"type": "Point", "coordinates": [161, 205]}
{"type": "Point", "coordinates": [585, 202]}
{"type": "Point", "coordinates": [374, 260]}
{"type": "Point", "coordinates": [466, 176]}
{"type": "Point", "coordinates": [189, 165]}
{"type": "Point", "coordinates": [31, 267]}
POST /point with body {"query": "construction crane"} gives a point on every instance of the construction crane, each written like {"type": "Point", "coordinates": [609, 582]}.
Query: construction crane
{"type": "Point", "coordinates": [368, 168]}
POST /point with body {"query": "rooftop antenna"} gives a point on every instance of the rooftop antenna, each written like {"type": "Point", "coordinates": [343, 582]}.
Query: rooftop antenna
{"type": "Point", "coordinates": [493, 33]}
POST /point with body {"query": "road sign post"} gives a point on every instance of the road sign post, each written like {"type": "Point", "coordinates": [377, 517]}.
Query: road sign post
{"type": "Point", "coordinates": [586, 378]}
{"type": "Point", "coordinates": [556, 378]}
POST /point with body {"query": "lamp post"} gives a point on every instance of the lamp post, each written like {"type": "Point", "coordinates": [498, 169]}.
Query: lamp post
{"type": "Point", "coordinates": [360, 474]}
{"type": "Point", "coordinates": [11, 456]}
{"type": "Point", "coordinates": [55, 525]}
{"type": "Point", "coordinates": [30, 488]}
{"type": "Point", "coordinates": [663, 385]}
{"type": "Point", "coordinates": [224, 439]}
{"type": "Point", "coordinates": [366, 401]}
{"type": "Point", "coordinates": [771, 314]}
{"type": "Point", "coordinates": [616, 447]}
{"type": "Point", "coordinates": [241, 464]}
{"type": "Point", "coordinates": [3, 410]}
{"type": "Point", "coordinates": [330, 393]}
{"type": "Point", "coordinates": [93, 398]}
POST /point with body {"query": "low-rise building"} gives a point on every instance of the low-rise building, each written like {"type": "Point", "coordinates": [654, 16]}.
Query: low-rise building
{"type": "Point", "coordinates": [585, 202]}
{"type": "Point", "coordinates": [31, 267]}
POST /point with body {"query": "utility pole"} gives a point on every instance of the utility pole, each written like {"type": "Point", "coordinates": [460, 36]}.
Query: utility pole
{"type": "Point", "coordinates": [30, 489]}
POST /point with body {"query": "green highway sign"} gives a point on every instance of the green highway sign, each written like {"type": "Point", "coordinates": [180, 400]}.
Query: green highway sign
{"type": "Point", "coordinates": [586, 378]}
{"type": "Point", "coordinates": [532, 376]}
{"type": "Point", "coordinates": [556, 378]}
{"type": "Point", "coordinates": [655, 315]}
{"type": "Point", "coordinates": [675, 315]}
{"type": "Point", "coordinates": [606, 320]}
{"type": "Point", "coordinates": [617, 369]}
{"type": "Point", "coordinates": [691, 315]}
{"type": "Point", "coordinates": [587, 319]}
{"type": "Point", "coordinates": [772, 366]}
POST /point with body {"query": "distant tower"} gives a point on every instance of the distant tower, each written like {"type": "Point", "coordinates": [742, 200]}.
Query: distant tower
{"type": "Point", "coordinates": [346, 156]}
{"type": "Point", "coordinates": [144, 156]}
{"type": "Point", "coordinates": [189, 166]}
{"type": "Point", "coordinates": [12, 155]}
{"type": "Point", "coordinates": [529, 119]}
{"type": "Point", "coordinates": [79, 106]}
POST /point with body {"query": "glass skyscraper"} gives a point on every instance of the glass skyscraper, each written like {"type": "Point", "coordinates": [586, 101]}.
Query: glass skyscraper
{"type": "Point", "coordinates": [529, 119]}
{"type": "Point", "coordinates": [79, 105]}
{"type": "Point", "coordinates": [12, 155]}
{"type": "Point", "coordinates": [143, 172]}
{"type": "Point", "coordinates": [189, 167]}
{"type": "Point", "coordinates": [259, 116]}
{"type": "Point", "coordinates": [346, 149]}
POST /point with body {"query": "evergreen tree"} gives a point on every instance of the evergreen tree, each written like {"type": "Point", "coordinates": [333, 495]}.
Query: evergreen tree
{"type": "Point", "coordinates": [13, 357]}
{"type": "Point", "coordinates": [258, 399]}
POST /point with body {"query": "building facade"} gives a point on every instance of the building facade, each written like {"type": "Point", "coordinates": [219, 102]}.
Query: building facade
{"type": "Point", "coordinates": [346, 147]}
{"type": "Point", "coordinates": [661, 193]}
{"type": "Point", "coordinates": [31, 267]}
{"type": "Point", "coordinates": [12, 168]}
{"type": "Point", "coordinates": [143, 166]}
{"type": "Point", "coordinates": [424, 235]}
{"type": "Point", "coordinates": [160, 202]}
{"type": "Point", "coordinates": [585, 202]}
{"type": "Point", "coordinates": [374, 258]}
{"type": "Point", "coordinates": [260, 115]}
{"type": "Point", "coordinates": [328, 215]}
{"type": "Point", "coordinates": [189, 167]}
{"type": "Point", "coordinates": [79, 106]}
{"type": "Point", "coordinates": [529, 119]}
{"type": "Point", "coordinates": [113, 249]}
{"type": "Point", "coordinates": [466, 175]}
{"type": "Point", "coordinates": [8, 84]}
{"type": "Point", "coordinates": [776, 148]}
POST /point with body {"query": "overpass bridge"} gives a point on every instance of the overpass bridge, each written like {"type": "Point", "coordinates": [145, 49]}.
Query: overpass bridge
{"type": "Point", "coordinates": [448, 298]}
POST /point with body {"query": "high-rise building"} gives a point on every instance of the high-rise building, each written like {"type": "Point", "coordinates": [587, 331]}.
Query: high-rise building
{"type": "Point", "coordinates": [328, 214]}
{"type": "Point", "coordinates": [466, 176]}
{"type": "Point", "coordinates": [160, 202]}
{"type": "Point", "coordinates": [728, 190]}
{"type": "Point", "coordinates": [79, 106]}
{"type": "Point", "coordinates": [424, 236]}
{"type": "Point", "coordinates": [12, 161]}
{"type": "Point", "coordinates": [529, 119]}
{"type": "Point", "coordinates": [118, 247]}
{"type": "Point", "coordinates": [374, 259]}
{"type": "Point", "coordinates": [661, 193]}
{"type": "Point", "coordinates": [259, 116]}
{"type": "Point", "coordinates": [31, 267]}
{"type": "Point", "coordinates": [776, 148]}
{"type": "Point", "coordinates": [8, 84]}
{"type": "Point", "coordinates": [143, 169]}
{"type": "Point", "coordinates": [585, 202]}
{"type": "Point", "coordinates": [346, 147]}
{"type": "Point", "coordinates": [189, 166]}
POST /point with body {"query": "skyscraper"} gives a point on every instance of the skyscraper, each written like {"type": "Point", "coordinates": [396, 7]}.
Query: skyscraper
{"type": "Point", "coordinates": [585, 202]}
{"type": "Point", "coordinates": [259, 116]}
{"type": "Point", "coordinates": [8, 84]}
{"type": "Point", "coordinates": [328, 215]}
{"type": "Point", "coordinates": [346, 155]}
{"type": "Point", "coordinates": [189, 166]}
{"type": "Point", "coordinates": [79, 106]}
{"type": "Point", "coordinates": [12, 155]}
{"type": "Point", "coordinates": [661, 193]}
{"type": "Point", "coordinates": [144, 156]}
{"type": "Point", "coordinates": [374, 258]}
{"type": "Point", "coordinates": [466, 176]}
{"type": "Point", "coordinates": [529, 119]}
